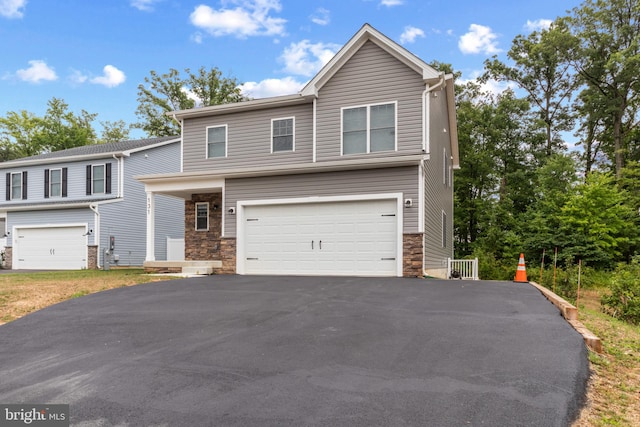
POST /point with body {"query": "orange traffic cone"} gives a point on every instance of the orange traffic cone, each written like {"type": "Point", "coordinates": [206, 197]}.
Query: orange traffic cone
{"type": "Point", "coordinates": [521, 272]}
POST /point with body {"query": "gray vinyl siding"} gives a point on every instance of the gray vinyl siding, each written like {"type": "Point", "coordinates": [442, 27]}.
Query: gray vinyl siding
{"type": "Point", "coordinates": [50, 217]}
{"type": "Point", "coordinates": [372, 181]}
{"type": "Point", "coordinates": [126, 219]}
{"type": "Point", "coordinates": [76, 181]}
{"type": "Point", "coordinates": [438, 196]}
{"type": "Point", "coordinates": [248, 139]}
{"type": "Point", "coordinates": [371, 76]}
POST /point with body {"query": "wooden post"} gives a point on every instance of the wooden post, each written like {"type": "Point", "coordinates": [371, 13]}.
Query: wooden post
{"type": "Point", "coordinates": [579, 276]}
{"type": "Point", "coordinates": [542, 266]}
{"type": "Point", "coordinates": [555, 263]}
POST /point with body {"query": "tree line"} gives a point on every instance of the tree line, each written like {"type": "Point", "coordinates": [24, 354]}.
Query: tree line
{"type": "Point", "coordinates": [23, 133]}
{"type": "Point", "coordinates": [520, 188]}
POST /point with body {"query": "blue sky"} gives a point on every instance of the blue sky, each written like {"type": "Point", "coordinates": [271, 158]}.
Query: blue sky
{"type": "Point", "coordinates": [94, 54]}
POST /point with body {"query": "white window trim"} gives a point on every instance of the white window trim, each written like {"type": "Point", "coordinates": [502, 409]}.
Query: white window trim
{"type": "Point", "coordinates": [368, 130]}
{"type": "Point", "coordinates": [93, 178]}
{"type": "Point", "coordinates": [195, 225]}
{"type": "Point", "coordinates": [51, 182]}
{"type": "Point", "coordinates": [12, 196]}
{"type": "Point", "coordinates": [226, 141]}
{"type": "Point", "coordinates": [293, 146]}
{"type": "Point", "coordinates": [444, 166]}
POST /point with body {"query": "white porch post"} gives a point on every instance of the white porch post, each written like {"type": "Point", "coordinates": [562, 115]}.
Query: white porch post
{"type": "Point", "coordinates": [151, 226]}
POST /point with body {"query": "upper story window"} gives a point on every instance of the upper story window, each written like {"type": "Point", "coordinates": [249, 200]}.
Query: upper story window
{"type": "Point", "coordinates": [283, 134]}
{"type": "Point", "coordinates": [217, 141]}
{"type": "Point", "coordinates": [369, 128]}
{"type": "Point", "coordinates": [16, 186]}
{"type": "Point", "coordinates": [202, 216]}
{"type": "Point", "coordinates": [55, 182]}
{"type": "Point", "coordinates": [99, 179]}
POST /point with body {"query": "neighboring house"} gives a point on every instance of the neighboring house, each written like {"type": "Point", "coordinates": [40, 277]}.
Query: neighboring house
{"type": "Point", "coordinates": [60, 209]}
{"type": "Point", "coordinates": [350, 176]}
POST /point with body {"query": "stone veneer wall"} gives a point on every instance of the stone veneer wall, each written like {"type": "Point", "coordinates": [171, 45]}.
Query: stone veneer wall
{"type": "Point", "coordinates": [202, 245]}
{"type": "Point", "coordinates": [92, 254]}
{"type": "Point", "coordinates": [228, 256]}
{"type": "Point", "coordinates": [8, 257]}
{"type": "Point", "coordinates": [412, 255]}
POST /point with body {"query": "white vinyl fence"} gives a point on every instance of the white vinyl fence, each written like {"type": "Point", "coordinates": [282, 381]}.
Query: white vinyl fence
{"type": "Point", "coordinates": [463, 269]}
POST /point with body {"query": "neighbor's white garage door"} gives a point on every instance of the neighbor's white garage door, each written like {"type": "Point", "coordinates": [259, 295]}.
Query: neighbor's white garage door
{"type": "Point", "coordinates": [50, 248]}
{"type": "Point", "coordinates": [333, 238]}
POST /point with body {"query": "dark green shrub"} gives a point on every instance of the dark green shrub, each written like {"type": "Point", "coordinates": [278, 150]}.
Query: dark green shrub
{"type": "Point", "coordinates": [624, 300]}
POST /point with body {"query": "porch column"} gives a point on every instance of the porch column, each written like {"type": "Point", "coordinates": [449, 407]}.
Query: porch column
{"type": "Point", "coordinates": [151, 226]}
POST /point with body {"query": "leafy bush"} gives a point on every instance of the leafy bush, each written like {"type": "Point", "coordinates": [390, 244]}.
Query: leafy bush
{"type": "Point", "coordinates": [624, 300]}
{"type": "Point", "coordinates": [491, 269]}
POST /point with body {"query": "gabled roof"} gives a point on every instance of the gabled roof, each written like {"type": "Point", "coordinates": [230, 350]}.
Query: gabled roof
{"type": "Point", "coordinates": [365, 34]}
{"type": "Point", "coordinates": [310, 91]}
{"type": "Point", "coordinates": [119, 149]}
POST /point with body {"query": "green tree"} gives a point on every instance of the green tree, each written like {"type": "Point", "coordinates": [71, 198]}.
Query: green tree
{"type": "Point", "coordinates": [18, 131]}
{"type": "Point", "coordinates": [604, 45]}
{"type": "Point", "coordinates": [114, 131]}
{"type": "Point", "coordinates": [61, 129]}
{"type": "Point", "coordinates": [163, 93]}
{"type": "Point", "coordinates": [596, 222]}
{"type": "Point", "coordinates": [25, 134]}
{"type": "Point", "coordinates": [540, 69]}
{"type": "Point", "coordinates": [555, 183]}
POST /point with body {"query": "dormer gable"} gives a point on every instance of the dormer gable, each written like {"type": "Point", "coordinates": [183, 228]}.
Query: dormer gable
{"type": "Point", "coordinates": [365, 34]}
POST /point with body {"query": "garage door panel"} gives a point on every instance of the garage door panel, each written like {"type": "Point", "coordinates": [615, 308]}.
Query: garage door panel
{"type": "Point", "coordinates": [338, 238]}
{"type": "Point", "coordinates": [50, 248]}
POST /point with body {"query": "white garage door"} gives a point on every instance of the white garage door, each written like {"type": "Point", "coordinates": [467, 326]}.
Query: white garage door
{"type": "Point", "coordinates": [336, 238]}
{"type": "Point", "coordinates": [50, 248]}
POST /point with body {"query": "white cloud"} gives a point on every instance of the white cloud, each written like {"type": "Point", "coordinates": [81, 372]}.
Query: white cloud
{"type": "Point", "coordinates": [391, 3]}
{"type": "Point", "coordinates": [491, 87]}
{"type": "Point", "coordinates": [540, 24]}
{"type": "Point", "coordinates": [12, 8]}
{"type": "Point", "coordinates": [479, 39]}
{"type": "Point", "coordinates": [196, 38]}
{"type": "Point", "coordinates": [305, 59]}
{"type": "Point", "coordinates": [321, 16]}
{"type": "Point", "coordinates": [410, 34]}
{"type": "Point", "coordinates": [77, 77]}
{"type": "Point", "coordinates": [271, 87]}
{"type": "Point", "coordinates": [249, 18]}
{"type": "Point", "coordinates": [144, 5]}
{"type": "Point", "coordinates": [112, 77]}
{"type": "Point", "coordinates": [37, 72]}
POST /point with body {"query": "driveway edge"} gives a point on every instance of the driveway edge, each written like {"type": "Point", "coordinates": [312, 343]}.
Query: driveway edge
{"type": "Point", "coordinates": [570, 313]}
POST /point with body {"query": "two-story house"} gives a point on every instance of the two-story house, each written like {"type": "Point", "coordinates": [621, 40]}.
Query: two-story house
{"type": "Point", "coordinates": [350, 176]}
{"type": "Point", "coordinates": [65, 209]}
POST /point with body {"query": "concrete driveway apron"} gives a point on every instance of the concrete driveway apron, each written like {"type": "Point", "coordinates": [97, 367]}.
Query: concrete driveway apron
{"type": "Point", "coordinates": [294, 351]}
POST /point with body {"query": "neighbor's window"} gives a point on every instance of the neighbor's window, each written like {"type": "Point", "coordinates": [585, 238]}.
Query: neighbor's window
{"type": "Point", "coordinates": [97, 180]}
{"type": "Point", "coordinates": [55, 183]}
{"type": "Point", "coordinates": [282, 135]}
{"type": "Point", "coordinates": [369, 128]}
{"type": "Point", "coordinates": [202, 216]}
{"type": "Point", "coordinates": [16, 186]}
{"type": "Point", "coordinates": [217, 141]}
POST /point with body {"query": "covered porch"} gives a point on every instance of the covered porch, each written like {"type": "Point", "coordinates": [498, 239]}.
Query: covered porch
{"type": "Point", "coordinates": [203, 247]}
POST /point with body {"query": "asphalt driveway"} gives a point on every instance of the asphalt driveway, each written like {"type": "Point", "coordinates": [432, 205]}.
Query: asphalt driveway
{"type": "Point", "coordinates": [279, 351]}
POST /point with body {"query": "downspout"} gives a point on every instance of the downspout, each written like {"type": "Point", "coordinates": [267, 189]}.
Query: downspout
{"type": "Point", "coordinates": [96, 234]}
{"type": "Point", "coordinates": [120, 176]}
{"type": "Point", "coordinates": [173, 116]}
{"type": "Point", "coordinates": [426, 107]}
